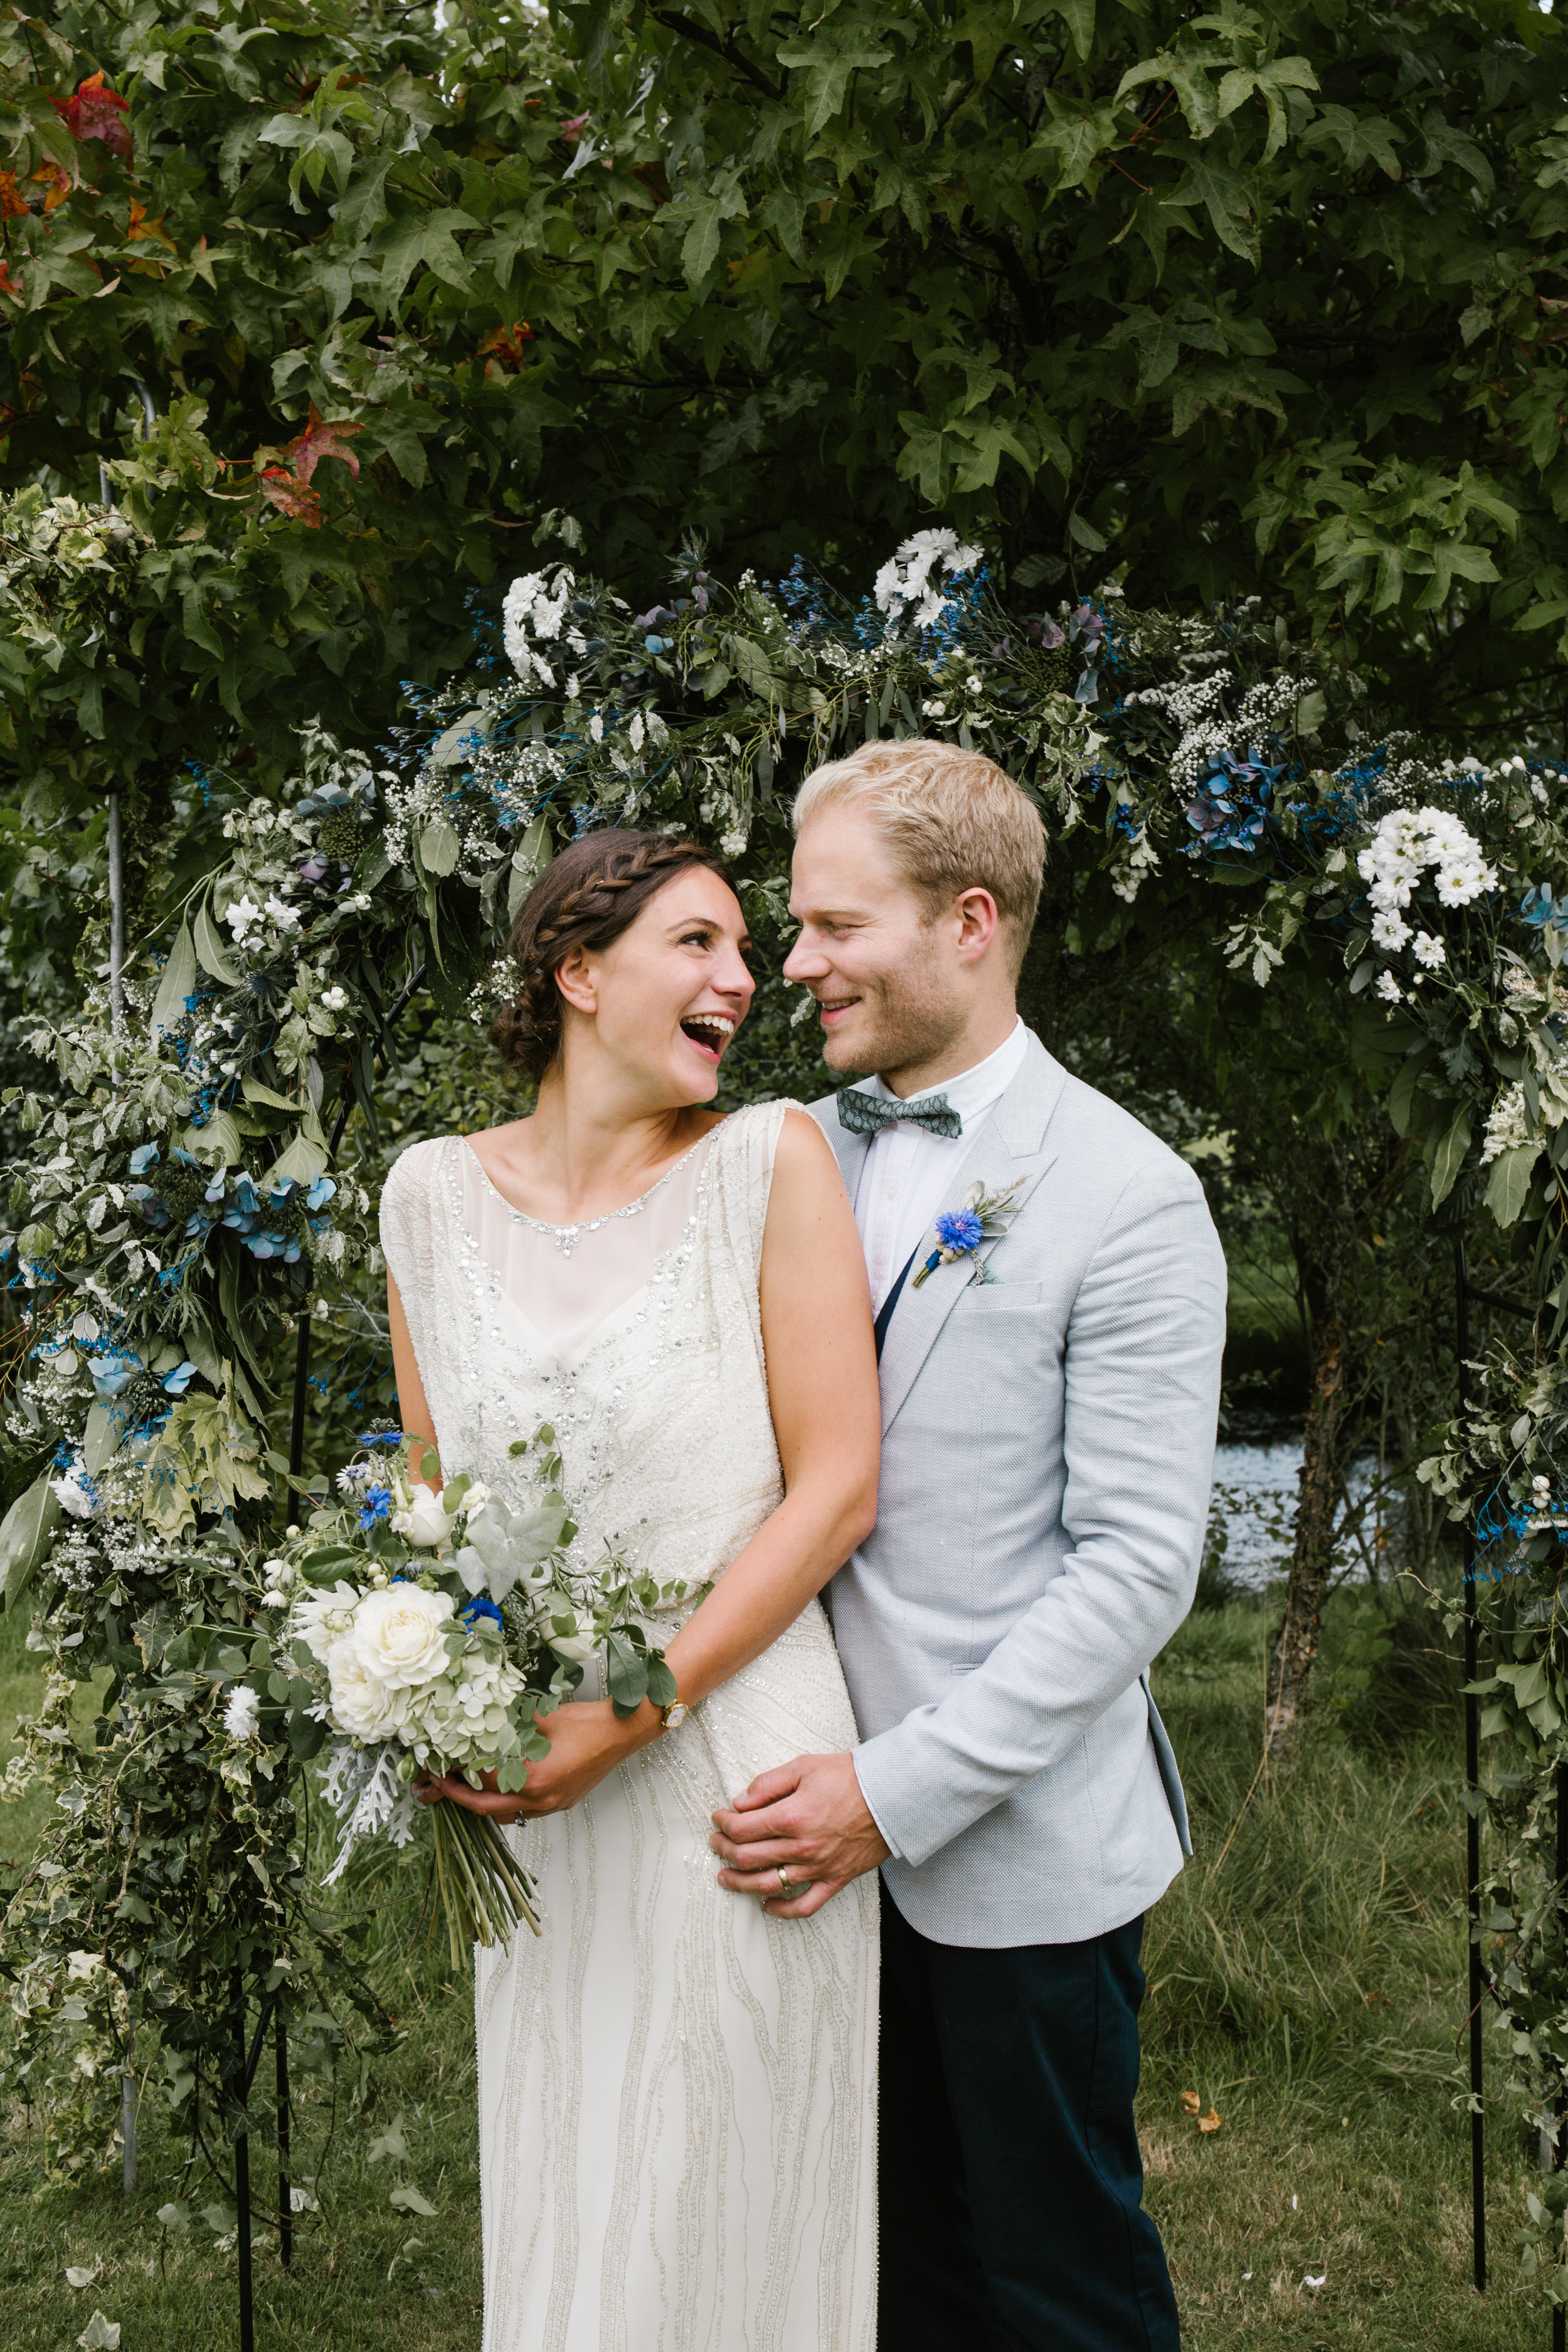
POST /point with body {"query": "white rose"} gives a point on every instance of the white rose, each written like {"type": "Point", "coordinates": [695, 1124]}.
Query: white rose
{"type": "Point", "coordinates": [426, 1520]}
{"type": "Point", "coordinates": [397, 1634]}
{"type": "Point", "coordinates": [361, 1705]}
{"type": "Point", "coordinates": [474, 1500]}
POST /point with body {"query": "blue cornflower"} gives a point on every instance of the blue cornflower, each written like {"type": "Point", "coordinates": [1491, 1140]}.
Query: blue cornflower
{"type": "Point", "coordinates": [377, 1505]}
{"type": "Point", "coordinates": [960, 1230]}
{"type": "Point", "coordinates": [481, 1605]}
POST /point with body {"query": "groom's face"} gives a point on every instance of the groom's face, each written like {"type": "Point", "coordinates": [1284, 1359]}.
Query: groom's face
{"type": "Point", "coordinates": [881, 971]}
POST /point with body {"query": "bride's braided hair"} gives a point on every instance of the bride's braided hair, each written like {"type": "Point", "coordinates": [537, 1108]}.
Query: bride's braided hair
{"type": "Point", "coordinates": [585, 898]}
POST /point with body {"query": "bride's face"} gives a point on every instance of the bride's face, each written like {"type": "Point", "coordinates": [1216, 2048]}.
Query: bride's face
{"type": "Point", "coordinates": [663, 1002]}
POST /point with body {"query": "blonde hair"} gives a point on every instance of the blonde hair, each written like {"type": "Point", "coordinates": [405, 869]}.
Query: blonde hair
{"type": "Point", "coordinates": [955, 821]}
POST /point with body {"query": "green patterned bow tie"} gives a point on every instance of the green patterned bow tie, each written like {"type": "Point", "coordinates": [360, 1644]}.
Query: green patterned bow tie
{"type": "Point", "coordinates": [864, 1114]}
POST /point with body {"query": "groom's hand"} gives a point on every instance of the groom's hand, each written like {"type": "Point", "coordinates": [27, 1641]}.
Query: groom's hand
{"type": "Point", "coordinates": [807, 1819]}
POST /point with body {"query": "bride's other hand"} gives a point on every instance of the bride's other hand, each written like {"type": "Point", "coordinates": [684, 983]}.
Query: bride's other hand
{"type": "Point", "coordinates": [587, 1740]}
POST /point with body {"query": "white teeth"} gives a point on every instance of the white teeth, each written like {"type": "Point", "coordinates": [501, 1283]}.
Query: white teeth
{"type": "Point", "coordinates": [710, 1021]}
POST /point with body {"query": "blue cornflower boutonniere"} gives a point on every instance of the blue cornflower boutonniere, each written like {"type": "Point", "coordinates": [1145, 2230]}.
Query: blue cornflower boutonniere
{"type": "Point", "coordinates": [959, 1234]}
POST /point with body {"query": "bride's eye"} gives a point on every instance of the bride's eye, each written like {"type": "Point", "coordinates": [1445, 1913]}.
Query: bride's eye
{"type": "Point", "coordinates": [699, 939]}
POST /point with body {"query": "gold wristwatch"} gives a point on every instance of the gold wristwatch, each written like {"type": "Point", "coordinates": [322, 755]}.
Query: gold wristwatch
{"type": "Point", "coordinates": [675, 1714]}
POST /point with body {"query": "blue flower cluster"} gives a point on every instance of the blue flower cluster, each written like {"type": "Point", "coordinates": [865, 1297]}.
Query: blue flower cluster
{"type": "Point", "coordinates": [960, 1230]}
{"type": "Point", "coordinates": [268, 1220]}
{"type": "Point", "coordinates": [479, 1608]}
{"type": "Point", "coordinates": [1230, 807]}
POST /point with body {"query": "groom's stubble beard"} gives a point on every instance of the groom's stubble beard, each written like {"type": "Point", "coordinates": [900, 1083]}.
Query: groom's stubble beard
{"type": "Point", "coordinates": [908, 1017]}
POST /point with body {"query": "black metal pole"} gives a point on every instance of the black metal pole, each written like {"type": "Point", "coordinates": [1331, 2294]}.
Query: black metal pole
{"type": "Point", "coordinates": [1472, 1809]}
{"type": "Point", "coordinates": [285, 2192]}
{"type": "Point", "coordinates": [1560, 2316]}
{"type": "Point", "coordinates": [242, 2177]}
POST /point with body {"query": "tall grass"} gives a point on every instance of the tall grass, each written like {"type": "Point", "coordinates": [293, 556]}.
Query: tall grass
{"type": "Point", "coordinates": [1305, 1972]}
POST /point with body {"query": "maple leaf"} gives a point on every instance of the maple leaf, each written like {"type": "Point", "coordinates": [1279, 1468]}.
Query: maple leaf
{"type": "Point", "coordinates": [9, 285]}
{"type": "Point", "coordinates": [141, 227]}
{"type": "Point", "coordinates": [98, 113]}
{"type": "Point", "coordinates": [321, 439]}
{"type": "Point", "coordinates": [507, 342]}
{"type": "Point", "coordinates": [291, 495]}
{"type": "Point", "coordinates": [56, 187]}
{"type": "Point", "coordinates": [12, 206]}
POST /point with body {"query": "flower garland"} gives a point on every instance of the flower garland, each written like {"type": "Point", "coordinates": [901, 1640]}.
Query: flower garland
{"type": "Point", "coordinates": [183, 1208]}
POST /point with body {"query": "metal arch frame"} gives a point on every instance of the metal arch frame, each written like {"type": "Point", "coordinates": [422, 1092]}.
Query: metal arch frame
{"type": "Point", "coordinates": [247, 2065]}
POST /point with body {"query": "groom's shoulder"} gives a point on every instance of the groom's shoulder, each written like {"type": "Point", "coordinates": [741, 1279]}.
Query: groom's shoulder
{"type": "Point", "coordinates": [1108, 1145]}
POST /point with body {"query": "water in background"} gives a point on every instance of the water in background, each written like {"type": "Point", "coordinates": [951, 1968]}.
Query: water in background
{"type": "Point", "coordinates": [1255, 1496]}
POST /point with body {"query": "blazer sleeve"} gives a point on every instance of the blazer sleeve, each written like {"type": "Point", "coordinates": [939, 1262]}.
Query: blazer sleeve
{"type": "Point", "coordinates": [1141, 1392]}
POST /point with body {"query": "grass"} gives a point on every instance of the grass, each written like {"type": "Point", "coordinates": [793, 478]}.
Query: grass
{"type": "Point", "coordinates": [1305, 1982]}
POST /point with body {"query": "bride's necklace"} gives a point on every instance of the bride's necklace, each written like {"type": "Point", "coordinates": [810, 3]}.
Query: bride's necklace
{"type": "Point", "coordinates": [566, 1237]}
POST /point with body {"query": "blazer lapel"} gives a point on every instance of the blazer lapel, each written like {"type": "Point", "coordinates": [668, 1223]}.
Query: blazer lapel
{"type": "Point", "coordinates": [1009, 1150]}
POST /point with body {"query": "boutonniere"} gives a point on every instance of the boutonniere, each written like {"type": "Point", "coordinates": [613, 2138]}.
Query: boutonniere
{"type": "Point", "coordinates": [982, 1218]}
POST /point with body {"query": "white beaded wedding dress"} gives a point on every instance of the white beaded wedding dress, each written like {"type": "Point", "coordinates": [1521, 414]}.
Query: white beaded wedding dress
{"type": "Point", "coordinates": [676, 2092]}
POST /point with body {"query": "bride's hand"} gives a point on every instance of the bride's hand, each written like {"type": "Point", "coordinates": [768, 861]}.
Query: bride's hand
{"type": "Point", "coordinates": [587, 1740]}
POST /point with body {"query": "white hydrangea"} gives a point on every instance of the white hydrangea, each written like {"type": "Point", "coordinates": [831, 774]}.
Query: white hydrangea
{"type": "Point", "coordinates": [906, 582]}
{"type": "Point", "coordinates": [535, 607]}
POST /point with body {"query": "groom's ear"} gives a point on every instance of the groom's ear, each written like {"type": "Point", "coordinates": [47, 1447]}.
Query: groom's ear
{"type": "Point", "coordinates": [974, 912]}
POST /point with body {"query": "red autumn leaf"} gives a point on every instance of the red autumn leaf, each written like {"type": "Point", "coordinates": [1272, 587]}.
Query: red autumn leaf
{"type": "Point", "coordinates": [571, 131]}
{"type": "Point", "coordinates": [321, 439]}
{"type": "Point", "coordinates": [9, 285]}
{"type": "Point", "coordinates": [290, 497]}
{"type": "Point", "coordinates": [12, 206]}
{"type": "Point", "coordinates": [507, 342]}
{"type": "Point", "coordinates": [98, 113]}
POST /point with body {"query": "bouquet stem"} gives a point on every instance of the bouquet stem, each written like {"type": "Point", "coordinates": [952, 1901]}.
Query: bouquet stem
{"type": "Point", "coordinates": [484, 1895]}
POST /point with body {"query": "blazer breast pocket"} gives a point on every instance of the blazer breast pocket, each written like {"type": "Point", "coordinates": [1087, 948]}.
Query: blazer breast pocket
{"type": "Point", "coordinates": [996, 1296]}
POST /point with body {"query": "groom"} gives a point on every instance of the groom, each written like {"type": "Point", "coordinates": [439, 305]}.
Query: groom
{"type": "Point", "coordinates": [1049, 1406]}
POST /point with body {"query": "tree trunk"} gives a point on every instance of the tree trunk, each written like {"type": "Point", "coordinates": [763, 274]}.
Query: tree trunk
{"type": "Point", "coordinates": [1290, 1666]}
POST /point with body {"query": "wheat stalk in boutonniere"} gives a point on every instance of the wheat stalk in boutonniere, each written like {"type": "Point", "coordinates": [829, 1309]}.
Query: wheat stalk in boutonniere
{"type": "Point", "coordinates": [959, 1234]}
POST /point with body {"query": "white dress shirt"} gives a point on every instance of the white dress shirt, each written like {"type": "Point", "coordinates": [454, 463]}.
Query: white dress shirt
{"type": "Point", "coordinates": [908, 1176]}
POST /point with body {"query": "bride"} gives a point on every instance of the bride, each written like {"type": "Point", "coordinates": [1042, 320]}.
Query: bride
{"type": "Point", "coordinates": [677, 2085]}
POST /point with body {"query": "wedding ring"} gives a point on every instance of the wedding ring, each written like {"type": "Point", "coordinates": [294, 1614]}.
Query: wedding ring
{"type": "Point", "coordinates": [786, 1887]}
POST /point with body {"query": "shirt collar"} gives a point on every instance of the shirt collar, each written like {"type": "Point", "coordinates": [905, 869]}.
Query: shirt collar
{"type": "Point", "coordinates": [975, 1091]}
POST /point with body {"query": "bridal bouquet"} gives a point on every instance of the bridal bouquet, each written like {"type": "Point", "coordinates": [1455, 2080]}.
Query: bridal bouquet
{"type": "Point", "coordinates": [429, 1632]}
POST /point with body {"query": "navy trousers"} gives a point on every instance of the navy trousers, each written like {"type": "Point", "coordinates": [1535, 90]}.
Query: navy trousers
{"type": "Point", "coordinates": [1011, 2182]}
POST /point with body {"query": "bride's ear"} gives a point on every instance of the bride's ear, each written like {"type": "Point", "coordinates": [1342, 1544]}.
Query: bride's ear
{"type": "Point", "coordinates": [575, 979]}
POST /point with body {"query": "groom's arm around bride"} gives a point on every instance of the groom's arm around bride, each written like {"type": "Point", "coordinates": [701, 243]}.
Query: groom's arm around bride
{"type": "Point", "coordinates": [1050, 1296]}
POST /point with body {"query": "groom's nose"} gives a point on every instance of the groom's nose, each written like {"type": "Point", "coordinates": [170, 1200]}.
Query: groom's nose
{"type": "Point", "coordinates": [806, 961]}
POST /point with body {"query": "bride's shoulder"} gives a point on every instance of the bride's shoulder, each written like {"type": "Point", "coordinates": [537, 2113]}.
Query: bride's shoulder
{"type": "Point", "coordinates": [413, 1173]}
{"type": "Point", "coordinates": [780, 1138]}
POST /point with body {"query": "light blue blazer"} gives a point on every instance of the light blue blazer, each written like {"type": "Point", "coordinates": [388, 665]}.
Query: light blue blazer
{"type": "Point", "coordinates": [1046, 1452]}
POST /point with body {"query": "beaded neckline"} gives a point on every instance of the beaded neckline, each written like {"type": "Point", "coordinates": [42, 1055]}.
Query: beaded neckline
{"type": "Point", "coordinates": [566, 1237]}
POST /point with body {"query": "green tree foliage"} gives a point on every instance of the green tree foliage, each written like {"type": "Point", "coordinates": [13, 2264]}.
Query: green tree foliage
{"type": "Point", "coordinates": [1258, 301]}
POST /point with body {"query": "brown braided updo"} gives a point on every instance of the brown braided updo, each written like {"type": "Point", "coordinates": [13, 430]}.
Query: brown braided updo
{"type": "Point", "coordinates": [585, 898]}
